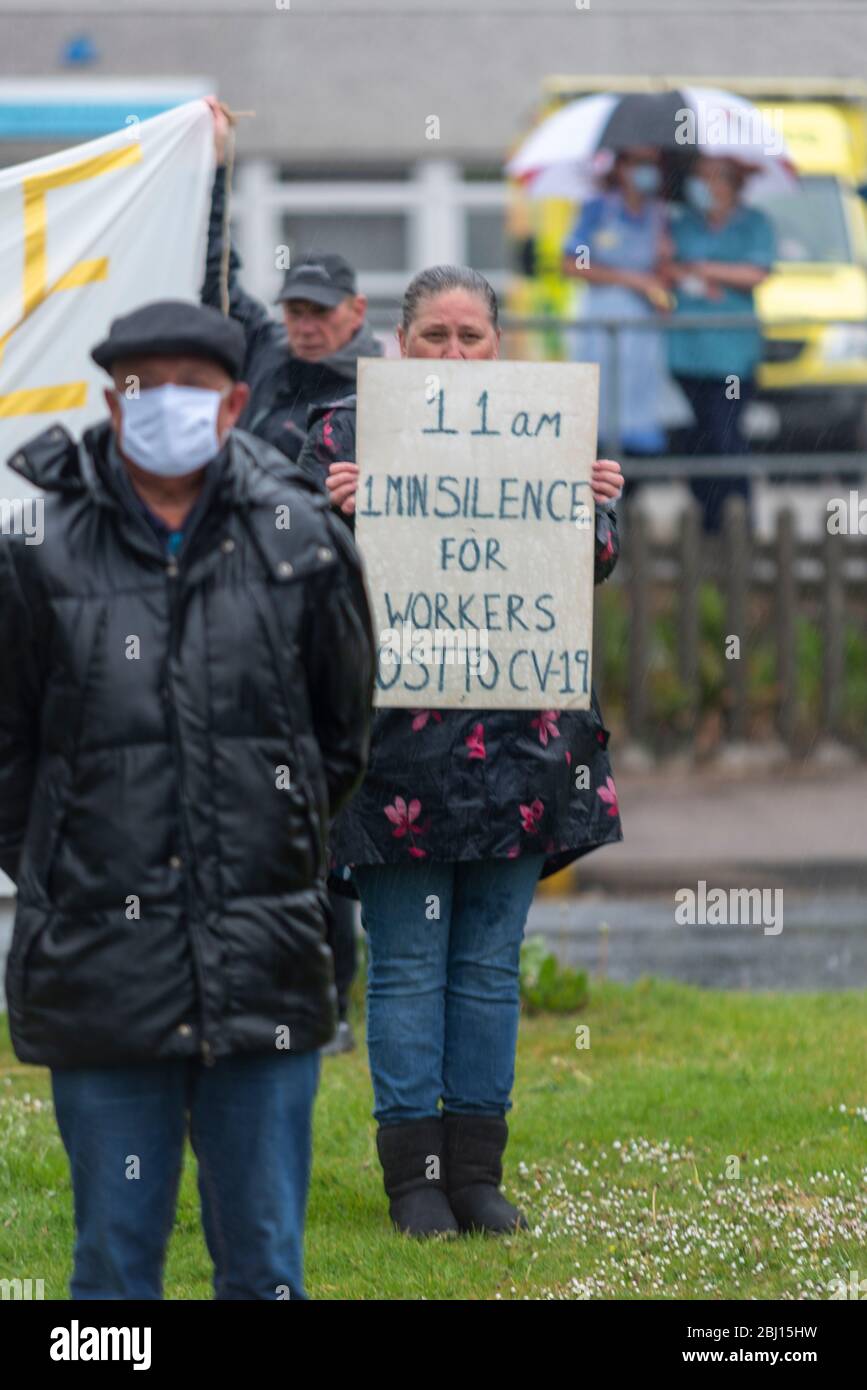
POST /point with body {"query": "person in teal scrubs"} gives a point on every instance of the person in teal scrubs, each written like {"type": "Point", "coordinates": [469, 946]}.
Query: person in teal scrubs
{"type": "Point", "coordinates": [722, 250]}
{"type": "Point", "coordinates": [617, 247]}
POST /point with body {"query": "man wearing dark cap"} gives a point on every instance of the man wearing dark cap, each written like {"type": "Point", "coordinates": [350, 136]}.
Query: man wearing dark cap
{"type": "Point", "coordinates": [184, 703]}
{"type": "Point", "coordinates": [309, 359]}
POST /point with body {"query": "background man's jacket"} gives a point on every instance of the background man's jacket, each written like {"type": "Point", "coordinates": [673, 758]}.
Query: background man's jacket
{"type": "Point", "coordinates": [174, 735]}
{"type": "Point", "coordinates": [282, 387]}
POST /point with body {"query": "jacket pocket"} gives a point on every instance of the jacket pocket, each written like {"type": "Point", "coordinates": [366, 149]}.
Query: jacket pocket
{"type": "Point", "coordinates": [64, 766]}
{"type": "Point", "coordinates": [30, 923]}
{"type": "Point", "coordinates": [48, 814]}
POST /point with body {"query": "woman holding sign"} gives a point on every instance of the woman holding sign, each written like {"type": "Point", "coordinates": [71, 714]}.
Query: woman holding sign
{"type": "Point", "coordinates": [458, 817]}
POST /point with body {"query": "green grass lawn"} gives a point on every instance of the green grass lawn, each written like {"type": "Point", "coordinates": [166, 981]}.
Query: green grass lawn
{"type": "Point", "coordinates": [618, 1154]}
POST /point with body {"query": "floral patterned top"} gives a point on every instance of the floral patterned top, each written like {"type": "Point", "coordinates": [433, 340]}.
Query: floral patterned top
{"type": "Point", "coordinates": [463, 784]}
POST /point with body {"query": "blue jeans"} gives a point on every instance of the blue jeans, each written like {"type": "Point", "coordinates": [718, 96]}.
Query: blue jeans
{"type": "Point", "coordinates": [443, 991]}
{"type": "Point", "coordinates": [249, 1123]}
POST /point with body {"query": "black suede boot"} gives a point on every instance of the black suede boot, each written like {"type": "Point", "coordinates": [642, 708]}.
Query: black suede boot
{"type": "Point", "coordinates": [474, 1171]}
{"type": "Point", "coordinates": [418, 1204]}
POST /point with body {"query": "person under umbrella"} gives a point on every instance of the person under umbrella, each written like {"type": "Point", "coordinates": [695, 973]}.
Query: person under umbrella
{"type": "Point", "coordinates": [617, 247]}
{"type": "Point", "coordinates": [722, 251]}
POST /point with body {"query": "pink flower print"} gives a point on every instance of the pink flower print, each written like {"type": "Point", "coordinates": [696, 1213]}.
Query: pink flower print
{"type": "Point", "coordinates": [421, 716]}
{"type": "Point", "coordinates": [546, 723]}
{"type": "Point", "coordinates": [402, 816]}
{"type": "Point", "coordinates": [607, 550]}
{"type": "Point", "coordinates": [328, 432]}
{"type": "Point", "coordinates": [609, 796]}
{"type": "Point", "coordinates": [403, 819]}
{"type": "Point", "coordinates": [476, 742]}
{"type": "Point", "coordinates": [568, 758]}
{"type": "Point", "coordinates": [530, 815]}
{"type": "Point", "coordinates": [513, 852]}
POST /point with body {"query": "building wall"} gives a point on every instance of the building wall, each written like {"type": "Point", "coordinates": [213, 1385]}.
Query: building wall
{"type": "Point", "coordinates": [352, 82]}
{"type": "Point", "coordinates": [339, 154]}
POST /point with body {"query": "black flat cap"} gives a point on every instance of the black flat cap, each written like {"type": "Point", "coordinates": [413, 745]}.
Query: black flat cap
{"type": "Point", "coordinates": [174, 327]}
{"type": "Point", "coordinates": [325, 279]}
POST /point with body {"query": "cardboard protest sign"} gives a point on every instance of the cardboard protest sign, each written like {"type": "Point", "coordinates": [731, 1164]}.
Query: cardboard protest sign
{"type": "Point", "coordinates": [476, 521]}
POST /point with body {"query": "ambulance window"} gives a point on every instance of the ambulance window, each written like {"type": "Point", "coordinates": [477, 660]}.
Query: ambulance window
{"type": "Point", "coordinates": [810, 222]}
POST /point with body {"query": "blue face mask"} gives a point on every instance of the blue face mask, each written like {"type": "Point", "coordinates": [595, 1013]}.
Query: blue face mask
{"type": "Point", "coordinates": [646, 178]}
{"type": "Point", "coordinates": [171, 430]}
{"type": "Point", "coordinates": [698, 193]}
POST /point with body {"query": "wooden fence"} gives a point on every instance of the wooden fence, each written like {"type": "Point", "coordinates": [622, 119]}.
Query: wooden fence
{"type": "Point", "coordinates": [787, 571]}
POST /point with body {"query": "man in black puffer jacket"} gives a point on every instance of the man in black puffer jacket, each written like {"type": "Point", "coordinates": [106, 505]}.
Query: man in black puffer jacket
{"type": "Point", "coordinates": [184, 703]}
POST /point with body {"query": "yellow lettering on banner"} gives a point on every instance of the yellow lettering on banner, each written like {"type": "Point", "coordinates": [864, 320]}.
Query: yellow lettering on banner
{"type": "Point", "coordinates": [84, 273]}
{"type": "Point", "coordinates": [36, 286]}
{"type": "Point", "coordinates": [43, 399]}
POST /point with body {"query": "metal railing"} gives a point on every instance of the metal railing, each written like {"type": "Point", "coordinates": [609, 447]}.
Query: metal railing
{"type": "Point", "coordinates": [665, 466]}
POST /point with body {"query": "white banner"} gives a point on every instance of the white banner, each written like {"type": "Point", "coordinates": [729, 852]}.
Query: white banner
{"type": "Point", "coordinates": [87, 235]}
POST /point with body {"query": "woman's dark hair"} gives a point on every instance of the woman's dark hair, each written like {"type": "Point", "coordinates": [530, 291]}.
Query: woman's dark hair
{"type": "Point", "coordinates": [439, 278]}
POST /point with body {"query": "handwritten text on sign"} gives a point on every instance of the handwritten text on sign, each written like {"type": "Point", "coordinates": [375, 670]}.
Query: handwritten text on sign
{"type": "Point", "coordinates": [476, 521]}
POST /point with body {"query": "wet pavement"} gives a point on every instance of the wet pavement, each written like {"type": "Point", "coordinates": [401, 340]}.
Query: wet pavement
{"type": "Point", "coordinates": [822, 944]}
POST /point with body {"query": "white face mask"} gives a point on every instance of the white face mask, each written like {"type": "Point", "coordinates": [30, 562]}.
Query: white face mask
{"type": "Point", "coordinates": [171, 430]}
